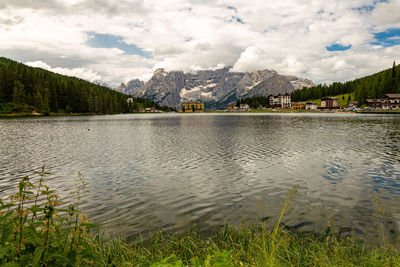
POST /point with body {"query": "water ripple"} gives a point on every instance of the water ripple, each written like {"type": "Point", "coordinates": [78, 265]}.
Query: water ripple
{"type": "Point", "coordinates": [174, 171]}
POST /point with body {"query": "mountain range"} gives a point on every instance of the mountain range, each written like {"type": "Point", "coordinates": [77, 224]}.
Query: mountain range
{"type": "Point", "coordinates": [130, 88]}
{"type": "Point", "coordinates": [217, 88]}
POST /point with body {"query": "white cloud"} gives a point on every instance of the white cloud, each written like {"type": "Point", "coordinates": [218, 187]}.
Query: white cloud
{"type": "Point", "coordinates": [88, 75]}
{"type": "Point", "coordinates": [289, 36]}
{"type": "Point", "coordinates": [387, 13]}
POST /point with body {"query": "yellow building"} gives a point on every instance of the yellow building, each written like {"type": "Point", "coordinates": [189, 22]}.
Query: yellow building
{"type": "Point", "coordinates": [192, 107]}
{"type": "Point", "coordinates": [298, 105]}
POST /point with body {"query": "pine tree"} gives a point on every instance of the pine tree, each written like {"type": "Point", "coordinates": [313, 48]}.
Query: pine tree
{"type": "Point", "coordinates": [37, 100]}
{"type": "Point", "coordinates": [45, 101]}
{"type": "Point", "coordinates": [394, 70]}
{"type": "Point", "coordinates": [2, 85]}
{"type": "Point", "coordinates": [387, 84]}
{"type": "Point", "coordinates": [9, 82]}
{"type": "Point", "coordinates": [18, 93]}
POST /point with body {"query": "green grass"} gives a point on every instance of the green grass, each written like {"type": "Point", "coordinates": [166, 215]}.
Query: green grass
{"type": "Point", "coordinates": [342, 99]}
{"type": "Point", "coordinates": [269, 111]}
{"type": "Point", "coordinates": [12, 108]}
{"type": "Point", "coordinates": [51, 114]}
{"type": "Point", "coordinates": [36, 231]}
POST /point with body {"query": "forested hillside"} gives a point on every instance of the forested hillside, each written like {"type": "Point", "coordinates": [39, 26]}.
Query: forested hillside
{"type": "Point", "coordinates": [254, 101]}
{"type": "Point", "coordinates": [26, 87]}
{"type": "Point", "coordinates": [373, 86]}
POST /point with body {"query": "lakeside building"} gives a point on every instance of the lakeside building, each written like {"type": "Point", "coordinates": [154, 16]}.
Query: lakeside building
{"type": "Point", "coordinates": [391, 101]}
{"type": "Point", "coordinates": [153, 110]}
{"type": "Point", "coordinates": [192, 107]}
{"type": "Point", "coordinates": [374, 103]}
{"type": "Point", "coordinates": [244, 107]}
{"type": "Point", "coordinates": [353, 104]}
{"type": "Point", "coordinates": [311, 106]}
{"type": "Point", "coordinates": [329, 103]}
{"type": "Point", "coordinates": [280, 101]}
{"type": "Point", "coordinates": [232, 107]}
{"type": "Point", "coordinates": [299, 105]}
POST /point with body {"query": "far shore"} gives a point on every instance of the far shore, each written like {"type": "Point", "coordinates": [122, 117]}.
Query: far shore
{"type": "Point", "coordinates": [32, 115]}
{"type": "Point", "coordinates": [24, 114]}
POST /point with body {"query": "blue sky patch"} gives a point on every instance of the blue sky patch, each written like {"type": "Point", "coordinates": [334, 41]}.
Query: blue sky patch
{"type": "Point", "coordinates": [113, 41]}
{"type": "Point", "coordinates": [390, 37]}
{"type": "Point", "coordinates": [237, 19]}
{"type": "Point", "coordinates": [233, 8]}
{"type": "Point", "coordinates": [368, 8]}
{"type": "Point", "coordinates": [338, 47]}
{"type": "Point", "coordinates": [363, 9]}
{"type": "Point", "coordinates": [240, 20]}
{"type": "Point", "coordinates": [380, 1]}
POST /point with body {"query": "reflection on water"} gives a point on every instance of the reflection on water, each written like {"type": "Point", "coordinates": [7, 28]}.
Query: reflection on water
{"type": "Point", "coordinates": [173, 171]}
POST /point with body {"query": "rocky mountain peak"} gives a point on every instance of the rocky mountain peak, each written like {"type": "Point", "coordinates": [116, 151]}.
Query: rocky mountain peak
{"type": "Point", "coordinates": [216, 88]}
{"type": "Point", "coordinates": [160, 72]}
{"type": "Point", "coordinates": [131, 87]}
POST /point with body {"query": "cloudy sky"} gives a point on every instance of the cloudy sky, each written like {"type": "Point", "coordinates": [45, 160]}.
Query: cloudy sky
{"type": "Point", "coordinates": [117, 40]}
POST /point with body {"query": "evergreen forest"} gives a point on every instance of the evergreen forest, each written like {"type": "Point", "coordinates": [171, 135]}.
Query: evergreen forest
{"type": "Point", "coordinates": [373, 86]}
{"type": "Point", "coordinates": [27, 89]}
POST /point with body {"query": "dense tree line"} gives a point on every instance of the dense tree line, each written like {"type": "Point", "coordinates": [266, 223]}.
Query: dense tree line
{"type": "Point", "coordinates": [140, 102]}
{"type": "Point", "coordinates": [373, 86]}
{"type": "Point", "coordinates": [254, 101]}
{"type": "Point", "coordinates": [46, 92]}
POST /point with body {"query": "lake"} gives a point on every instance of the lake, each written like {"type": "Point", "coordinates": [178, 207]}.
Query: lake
{"type": "Point", "coordinates": [182, 171]}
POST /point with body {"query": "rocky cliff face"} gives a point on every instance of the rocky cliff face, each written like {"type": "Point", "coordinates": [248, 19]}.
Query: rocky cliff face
{"type": "Point", "coordinates": [131, 87]}
{"type": "Point", "coordinates": [216, 88]}
{"type": "Point", "coordinates": [101, 83]}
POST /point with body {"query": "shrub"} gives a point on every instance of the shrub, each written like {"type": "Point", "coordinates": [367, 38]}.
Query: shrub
{"type": "Point", "coordinates": [35, 230]}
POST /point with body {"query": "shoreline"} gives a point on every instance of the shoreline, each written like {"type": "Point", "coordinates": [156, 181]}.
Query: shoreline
{"type": "Point", "coordinates": [39, 115]}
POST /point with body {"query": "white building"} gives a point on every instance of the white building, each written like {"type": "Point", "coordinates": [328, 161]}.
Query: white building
{"type": "Point", "coordinates": [391, 101]}
{"type": "Point", "coordinates": [311, 106]}
{"type": "Point", "coordinates": [244, 107]}
{"type": "Point", "coordinates": [280, 101]}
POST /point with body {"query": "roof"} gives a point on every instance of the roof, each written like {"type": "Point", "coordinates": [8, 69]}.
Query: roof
{"type": "Point", "coordinates": [191, 103]}
{"type": "Point", "coordinates": [373, 100]}
{"type": "Point", "coordinates": [329, 98]}
{"type": "Point", "coordinates": [392, 95]}
{"type": "Point", "coordinates": [286, 94]}
{"type": "Point", "coordinates": [311, 103]}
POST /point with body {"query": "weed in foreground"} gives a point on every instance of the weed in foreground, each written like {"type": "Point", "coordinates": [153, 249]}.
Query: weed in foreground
{"type": "Point", "coordinates": [36, 231]}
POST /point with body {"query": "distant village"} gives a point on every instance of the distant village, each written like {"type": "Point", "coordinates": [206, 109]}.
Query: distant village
{"type": "Point", "coordinates": [283, 101]}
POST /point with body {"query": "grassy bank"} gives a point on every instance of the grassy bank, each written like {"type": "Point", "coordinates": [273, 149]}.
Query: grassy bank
{"type": "Point", "coordinates": [277, 111]}
{"type": "Point", "coordinates": [35, 230]}
{"type": "Point", "coordinates": [342, 99]}
{"type": "Point", "coordinates": [11, 110]}
{"type": "Point", "coordinates": [24, 114]}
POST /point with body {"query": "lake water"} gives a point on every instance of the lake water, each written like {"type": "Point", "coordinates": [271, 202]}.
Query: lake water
{"type": "Point", "coordinates": [180, 171]}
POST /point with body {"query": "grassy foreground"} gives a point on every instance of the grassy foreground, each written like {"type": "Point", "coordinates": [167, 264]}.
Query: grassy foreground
{"type": "Point", "coordinates": [36, 231]}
